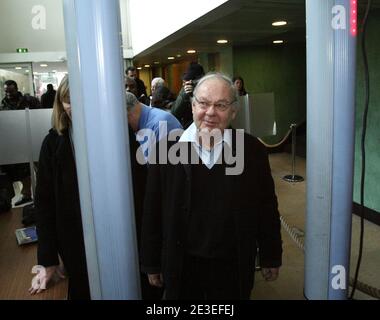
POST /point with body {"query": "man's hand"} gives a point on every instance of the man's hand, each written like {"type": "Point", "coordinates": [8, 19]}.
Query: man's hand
{"type": "Point", "coordinates": [270, 274]}
{"type": "Point", "coordinates": [188, 86]}
{"type": "Point", "coordinates": [156, 280]}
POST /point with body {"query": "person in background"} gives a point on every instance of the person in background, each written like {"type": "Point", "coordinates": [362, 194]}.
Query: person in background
{"type": "Point", "coordinates": [141, 89]}
{"type": "Point", "coordinates": [140, 117]}
{"type": "Point", "coordinates": [181, 108]}
{"type": "Point", "coordinates": [131, 86]}
{"type": "Point", "coordinates": [15, 100]}
{"type": "Point", "coordinates": [239, 85]}
{"type": "Point", "coordinates": [47, 99]}
{"type": "Point", "coordinates": [202, 244]}
{"type": "Point", "coordinates": [162, 98]}
{"type": "Point", "coordinates": [156, 82]}
{"type": "Point", "coordinates": [58, 213]}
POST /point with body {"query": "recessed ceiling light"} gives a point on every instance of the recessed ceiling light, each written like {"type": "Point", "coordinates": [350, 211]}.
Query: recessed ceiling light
{"type": "Point", "coordinates": [147, 66]}
{"type": "Point", "coordinates": [53, 70]}
{"type": "Point", "coordinates": [278, 41]}
{"type": "Point", "coordinates": [191, 51]}
{"type": "Point", "coordinates": [139, 68]}
{"type": "Point", "coordinates": [179, 56]}
{"type": "Point", "coordinates": [27, 71]}
{"type": "Point", "coordinates": [156, 62]}
{"type": "Point", "coordinates": [171, 58]}
{"type": "Point", "coordinates": [43, 65]}
{"type": "Point", "coordinates": [18, 68]}
{"type": "Point", "coordinates": [222, 41]}
{"type": "Point", "coordinates": [279, 23]}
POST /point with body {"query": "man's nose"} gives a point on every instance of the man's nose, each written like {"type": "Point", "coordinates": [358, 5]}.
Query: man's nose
{"type": "Point", "coordinates": [210, 110]}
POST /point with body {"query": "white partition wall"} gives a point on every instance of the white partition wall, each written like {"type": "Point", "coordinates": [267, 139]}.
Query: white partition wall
{"type": "Point", "coordinates": [15, 136]}
{"type": "Point", "coordinates": [256, 114]}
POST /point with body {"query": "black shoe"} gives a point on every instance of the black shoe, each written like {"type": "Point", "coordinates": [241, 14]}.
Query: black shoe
{"type": "Point", "coordinates": [23, 201]}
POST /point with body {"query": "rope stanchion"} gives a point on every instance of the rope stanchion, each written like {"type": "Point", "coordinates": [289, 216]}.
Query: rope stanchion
{"type": "Point", "coordinates": [293, 177]}
{"type": "Point", "coordinates": [277, 144]}
{"type": "Point", "coordinates": [363, 287]}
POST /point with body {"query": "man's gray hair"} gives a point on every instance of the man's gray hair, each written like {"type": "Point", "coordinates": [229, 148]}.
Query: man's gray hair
{"type": "Point", "coordinates": [217, 75]}
{"type": "Point", "coordinates": [158, 81]}
{"type": "Point", "coordinates": [130, 100]}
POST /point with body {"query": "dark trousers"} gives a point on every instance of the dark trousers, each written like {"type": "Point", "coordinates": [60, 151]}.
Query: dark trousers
{"type": "Point", "coordinates": [210, 279]}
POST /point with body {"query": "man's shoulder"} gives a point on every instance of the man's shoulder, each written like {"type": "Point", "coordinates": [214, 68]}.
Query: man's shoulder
{"type": "Point", "coordinates": [162, 115]}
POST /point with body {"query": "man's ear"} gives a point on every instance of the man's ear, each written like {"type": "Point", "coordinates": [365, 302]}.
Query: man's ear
{"type": "Point", "coordinates": [233, 114]}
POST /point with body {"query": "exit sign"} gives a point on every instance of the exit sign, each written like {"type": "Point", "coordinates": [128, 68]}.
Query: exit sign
{"type": "Point", "coordinates": [21, 50]}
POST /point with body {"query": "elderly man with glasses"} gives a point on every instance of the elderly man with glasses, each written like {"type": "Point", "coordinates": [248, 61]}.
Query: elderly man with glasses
{"type": "Point", "coordinates": [202, 223]}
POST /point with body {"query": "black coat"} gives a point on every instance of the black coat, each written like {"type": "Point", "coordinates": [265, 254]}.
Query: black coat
{"type": "Point", "coordinates": [59, 223]}
{"type": "Point", "coordinates": [167, 206]}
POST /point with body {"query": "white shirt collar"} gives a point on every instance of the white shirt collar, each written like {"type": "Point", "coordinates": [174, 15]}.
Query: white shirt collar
{"type": "Point", "coordinates": [190, 135]}
{"type": "Point", "coordinates": [209, 157]}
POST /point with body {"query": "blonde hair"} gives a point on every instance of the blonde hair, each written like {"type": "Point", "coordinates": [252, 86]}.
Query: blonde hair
{"type": "Point", "coordinates": [60, 120]}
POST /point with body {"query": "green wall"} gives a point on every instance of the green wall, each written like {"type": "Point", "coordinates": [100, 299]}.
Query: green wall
{"type": "Point", "coordinates": [372, 177]}
{"type": "Point", "coordinates": [279, 69]}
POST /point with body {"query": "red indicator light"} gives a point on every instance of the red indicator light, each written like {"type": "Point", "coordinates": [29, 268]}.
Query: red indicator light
{"type": "Point", "coordinates": [353, 18]}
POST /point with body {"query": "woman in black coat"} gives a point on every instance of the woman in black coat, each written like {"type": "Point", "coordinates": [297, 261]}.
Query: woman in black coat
{"type": "Point", "coordinates": [59, 223]}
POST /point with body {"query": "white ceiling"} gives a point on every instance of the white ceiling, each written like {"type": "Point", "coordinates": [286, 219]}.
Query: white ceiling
{"type": "Point", "coordinates": [242, 23]}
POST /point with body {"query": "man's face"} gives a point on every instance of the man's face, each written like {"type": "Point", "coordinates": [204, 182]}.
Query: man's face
{"type": "Point", "coordinates": [212, 106]}
{"type": "Point", "coordinates": [10, 91]}
{"type": "Point", "coordinates": [132, 74]}
{"type": "Point", "coordinates": [131, 87]}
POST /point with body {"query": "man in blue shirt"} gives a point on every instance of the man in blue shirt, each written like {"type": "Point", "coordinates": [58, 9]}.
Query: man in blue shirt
{"type": "Point", "coordinates": [149, 124]}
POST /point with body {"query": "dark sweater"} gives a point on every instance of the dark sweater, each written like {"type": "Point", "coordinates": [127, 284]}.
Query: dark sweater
{"type": "Point", "coordinates": [211, 225]}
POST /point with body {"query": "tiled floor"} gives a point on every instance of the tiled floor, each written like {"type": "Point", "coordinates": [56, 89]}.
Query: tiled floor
{"type": "Point", "coordinates": [292, 206]}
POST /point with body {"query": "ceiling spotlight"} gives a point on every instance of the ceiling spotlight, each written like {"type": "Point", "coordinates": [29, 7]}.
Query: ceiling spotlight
{"type": "Point", "coordinates": [139, 68]}
{"type": "Point", "coordinates": [156, 62]}
{"type": "Point", "coordinates": [170, 58]}
{"type": "Point", "coordinates": [147, 66]}
{"type": "Point", "coordinates": [179, 56]}
{"type": "Point", "coordinates": [53, 70]}
{"type": "Point", "coordinates": [27, 71]}
{"type": "Point", "coordinates": [18, 68]}
{"type": "Point", "coordinates": [278, 41]}
{"type": "Point", "coordinates": [279, 23]}
{"type": "Point", "coordinates": [191, 51]}
{"type": "Point", "coordinates": [222, 41]}
{"type": "Point", "coordinates": [43, 65]}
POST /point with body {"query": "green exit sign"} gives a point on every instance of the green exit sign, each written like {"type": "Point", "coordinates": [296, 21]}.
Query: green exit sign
{"type": "Point", "coordinates": [21, 50]}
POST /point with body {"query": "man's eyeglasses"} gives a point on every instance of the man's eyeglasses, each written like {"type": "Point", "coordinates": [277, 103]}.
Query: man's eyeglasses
{"type": "Point", "coordinates": [219, 106]}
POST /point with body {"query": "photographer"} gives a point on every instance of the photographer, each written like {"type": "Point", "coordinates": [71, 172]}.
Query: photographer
{"type": "Point", "coordinates": [182, 106]}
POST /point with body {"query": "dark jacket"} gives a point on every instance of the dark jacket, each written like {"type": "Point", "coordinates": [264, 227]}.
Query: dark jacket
{"type": "Point", "coordinates": [47, 99]}
{"type": "Point", "coordinates": [256, 218]}
{"type": "Point", "coordinates": [22, 102]}
{"type": "Point", "coordinates": [182, 110]}
{"type": "Point", "coordinates": [59, 223]}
